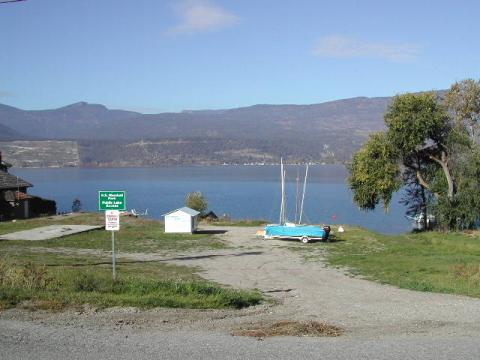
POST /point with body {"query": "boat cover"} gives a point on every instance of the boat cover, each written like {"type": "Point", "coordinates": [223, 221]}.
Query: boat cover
{"type": "Point", "coordinates": [311, 231]}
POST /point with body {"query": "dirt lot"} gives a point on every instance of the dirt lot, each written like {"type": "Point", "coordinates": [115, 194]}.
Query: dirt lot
{"type": "Point", "coordinates": [301, 290]}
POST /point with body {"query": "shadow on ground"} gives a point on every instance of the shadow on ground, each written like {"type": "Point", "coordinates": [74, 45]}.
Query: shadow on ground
{"type": "Point", "coordinates": [211, 232]}
{"type": "Point", "coordinates": [196, 257]}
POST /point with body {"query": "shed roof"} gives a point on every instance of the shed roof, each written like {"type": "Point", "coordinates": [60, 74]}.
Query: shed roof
{"type": "Point", "coordinates": [184, 209]}
{"type": "Point", "coordinates": [9, 181]}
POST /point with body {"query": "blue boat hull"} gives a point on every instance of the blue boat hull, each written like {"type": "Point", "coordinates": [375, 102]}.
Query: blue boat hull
{"type": "Point", "coordinates": [298, 231]}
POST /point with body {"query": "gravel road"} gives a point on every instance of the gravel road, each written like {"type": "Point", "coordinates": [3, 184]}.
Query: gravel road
{"type": "Point", "coordinates": [310, 290]}
{"type": "Point", "coordinates": [380, 321]}
{"type": "Point", "coordinates": [20, 340]}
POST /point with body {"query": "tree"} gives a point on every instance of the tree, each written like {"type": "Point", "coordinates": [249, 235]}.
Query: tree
{"type": "Point", "coordinates": [463, 101]}
{"type": "Point", "coordinates": [413, 152]}
{"type": "Point", "coordinates": [431, 150]}
{"type": "Point", "coordinates": [195, 200]}
{"type": "Point", "coordinates": [374, 173]}
{"type": "Point", "coordinates": [76, 205]}
{"type": "Point", "coordinates": [420, 130]}
{"type": "Point", "coordinates": [462, 211]}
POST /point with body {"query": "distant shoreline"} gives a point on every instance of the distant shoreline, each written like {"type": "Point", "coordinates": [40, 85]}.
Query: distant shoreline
{"type": "Point", "coordinates": [175, 166]}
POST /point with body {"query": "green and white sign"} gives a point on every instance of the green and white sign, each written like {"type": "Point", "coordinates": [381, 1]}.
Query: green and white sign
{"type": "Point", "coordinates": [112, 200]}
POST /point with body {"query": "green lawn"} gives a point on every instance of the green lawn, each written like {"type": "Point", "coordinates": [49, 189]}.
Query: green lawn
{"type": "Point", "coordinates": [140, 285]}
{"type": "Point", "coordinates": [431, 261]}
{"type": "Point", "coordinates": [135, 235]}
{"type": "Point", "coordinates": [63, 272]}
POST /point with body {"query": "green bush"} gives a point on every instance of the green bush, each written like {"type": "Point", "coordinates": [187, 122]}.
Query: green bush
{"type": "Point", "coordinates": [196, 201]}
{"type": "Point", "coordinates": [86, 282]}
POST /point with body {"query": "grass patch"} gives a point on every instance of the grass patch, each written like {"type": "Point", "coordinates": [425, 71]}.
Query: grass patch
{"type": "Point", "coordinates": [241, 223]}
{"type": "Point", "coordinates": [290, 328]}
{"type": "Point", "coordinates": [55, 288]}
{"type": "Point", "coordinates": [76, 269]}
{"type": "Point", "coordinates": [135, 235]}
{"type": "Point", "coordinates": [431, 261]}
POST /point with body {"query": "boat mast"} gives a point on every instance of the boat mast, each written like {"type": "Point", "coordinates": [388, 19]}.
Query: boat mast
{"type": "Point", "coordinates": [297, 200]}
{"type": "Point", "coordinates": [282, 203]}
{"type": "Point", "coordinates": [303, 195]}
{"type": "Point", "coordinates": [285, 216]}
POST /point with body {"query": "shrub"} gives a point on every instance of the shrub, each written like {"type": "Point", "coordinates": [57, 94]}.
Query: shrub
{"type": "Point", "coordinates": [196, 201]}
{"type": "Point", "coordinates": [76, 205]}
{"type": "Point", "coordinates": [86, 282]}
{"type": "Point", "coordinates": [29, 276]}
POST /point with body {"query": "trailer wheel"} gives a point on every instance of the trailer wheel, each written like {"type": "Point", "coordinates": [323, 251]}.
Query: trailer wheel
{"type": "Point", "coordinates": [305, 239]}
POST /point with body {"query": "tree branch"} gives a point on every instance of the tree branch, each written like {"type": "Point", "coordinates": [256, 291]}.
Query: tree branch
{"type": "Point", "coordinates": [436, 159]}
{"type": "Point", "coordinates": [421, 180]}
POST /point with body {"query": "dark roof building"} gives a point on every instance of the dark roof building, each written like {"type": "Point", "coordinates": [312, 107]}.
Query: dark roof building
{"type": "Point", "coordinates": [9, 181]}
{"type": "Point", "coordinates": [15, 203]}
{"type": "Point", "coordinates": [211, 216]}
{"type": "Point", "coordinates": [4, 165]}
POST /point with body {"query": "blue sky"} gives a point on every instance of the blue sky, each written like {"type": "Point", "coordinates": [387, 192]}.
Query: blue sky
{"type": "Point", "coordinates": [154, 56]}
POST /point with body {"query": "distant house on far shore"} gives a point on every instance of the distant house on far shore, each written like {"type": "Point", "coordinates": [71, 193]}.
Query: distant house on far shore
{"type": "Point", "coordinates": [210, 216]}
{"type": "Point", "coordinates": [15, 203]}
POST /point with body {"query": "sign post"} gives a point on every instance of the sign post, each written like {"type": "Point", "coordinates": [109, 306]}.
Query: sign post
{"type": "Point", "coordinates": [112, 202]}
{"type": "Point", "coordinates": [114, 271]}
{"type": "Point", "coordinates": [112, 223]}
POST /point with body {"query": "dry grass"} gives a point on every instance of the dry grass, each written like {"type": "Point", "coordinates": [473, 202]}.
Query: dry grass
{"type": "Point", "coordinates": [290, 328]}
{"type": "Point", "coordinates": [467, 272]}
{"type": "Point", "coordinates": [31, 276]}
{"type": "Point", "coordinates": [45, 304]}
{"type": "Point", "coordinates": [472, 233]}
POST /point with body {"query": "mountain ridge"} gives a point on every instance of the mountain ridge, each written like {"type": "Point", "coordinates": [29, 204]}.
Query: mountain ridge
{"type": "Point", "coordinates": [81, 103]}
{"type": "Point", "coordinates": [328, 132]}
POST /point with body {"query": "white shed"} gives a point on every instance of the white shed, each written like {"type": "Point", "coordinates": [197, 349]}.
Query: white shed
{"type": "Point", "coordinates": [183, 220]}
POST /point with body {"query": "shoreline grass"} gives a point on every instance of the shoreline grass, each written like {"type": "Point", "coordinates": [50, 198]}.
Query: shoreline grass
{"type": "Point", "coordinates": [430, 261]}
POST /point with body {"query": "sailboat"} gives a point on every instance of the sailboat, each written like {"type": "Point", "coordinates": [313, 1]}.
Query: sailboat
{"type": "Point", "coordinates": [136, 213]}
{"type": "Point", "coordinates": [288, 230]}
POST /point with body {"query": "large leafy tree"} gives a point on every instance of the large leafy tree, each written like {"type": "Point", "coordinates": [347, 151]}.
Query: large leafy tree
{"type": "Point", "coordinates": [432, 150]}
{"type": "Point", "coordinates": [416, 144]}
{"type": "Point", "coordinates": [419, 128]}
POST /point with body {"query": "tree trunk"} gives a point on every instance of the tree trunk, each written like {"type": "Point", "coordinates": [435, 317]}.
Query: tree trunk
{"type": "Point", "coordinates": [421, 180]}
{"type": "Point", "coordinates": [424, 211]}
{"type": "Point", "coordinates": [443, 161]}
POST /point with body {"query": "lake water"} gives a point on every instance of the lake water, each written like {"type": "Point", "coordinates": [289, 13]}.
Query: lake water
{"type": "Point", "coordinates": [242, 192]}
